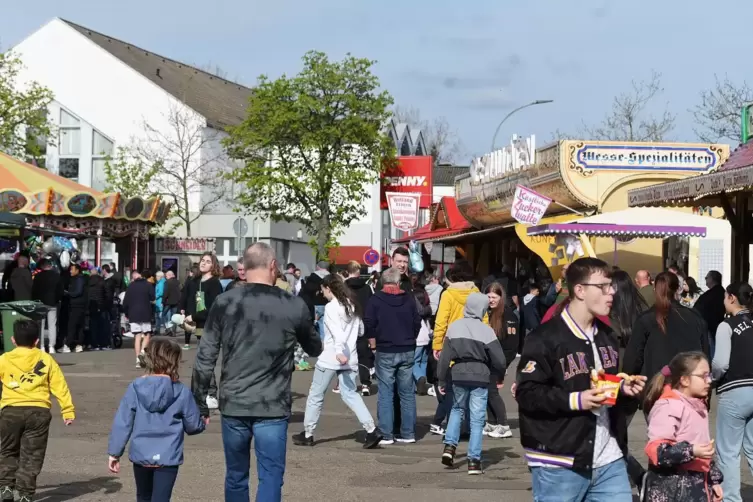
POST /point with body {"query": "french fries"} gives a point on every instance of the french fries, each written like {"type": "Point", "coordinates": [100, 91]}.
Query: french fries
{"type": "Point", "coordinates": [626, 377]}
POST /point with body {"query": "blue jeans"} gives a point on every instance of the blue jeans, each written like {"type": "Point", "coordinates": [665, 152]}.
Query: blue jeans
{"type": "Point", "coordinates": [391, 368]}
{"type": "Point", "coordinates": [420, 362]}
{"type": "Point", "coordinates": [319, 319]}
{"type": "Point", "coordinates": [167, 316]}
{"type": "Point", "coordinates": [270, 445]}
{"type": "Point", "coordinates": [475, 399]}
{"type": "Point", "coordinates": [734, 432]}
{"type": "Point", "coordinates": [154, 484]}
{"type": "Point", "coordinates": [606, 484]}
{"type": "Point", "coordinates": [348, 393]}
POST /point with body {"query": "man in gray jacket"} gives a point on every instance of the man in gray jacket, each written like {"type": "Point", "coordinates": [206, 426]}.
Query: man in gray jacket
{"type": "Point", "coordinates": [472, 348]}
{"type": "Point", "coordinates": [257, 327]}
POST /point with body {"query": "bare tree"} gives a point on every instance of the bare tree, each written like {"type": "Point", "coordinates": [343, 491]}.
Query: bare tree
{"type": "Point", "coordinates": [214, 69]}
{"type": "Point", "coordinates": [629, 119]}
{"type": "Point", "coordinates": [442, 142]}
{"type": "Point", "coordinates": [190, 163]}
{"type": "Point", "coordinates": [718, 115]}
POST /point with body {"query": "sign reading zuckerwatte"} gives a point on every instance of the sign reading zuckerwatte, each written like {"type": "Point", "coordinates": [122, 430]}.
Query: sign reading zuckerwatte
{"type": "Point", "coordinates": [625, 156]}
{"type": "Point", "coordinates": [404, 209]}
{"type": "Point", "coordinates": [411, 175]}
{"type": "Point", "coordinates": [528, 207]}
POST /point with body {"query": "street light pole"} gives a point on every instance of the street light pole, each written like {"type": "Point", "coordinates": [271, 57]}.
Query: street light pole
{"type": "Point", "coordinates": [532, 103]}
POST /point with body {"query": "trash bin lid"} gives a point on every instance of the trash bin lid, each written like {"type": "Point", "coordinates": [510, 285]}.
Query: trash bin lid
{"type": "Point", "coordinates": [34, 310]}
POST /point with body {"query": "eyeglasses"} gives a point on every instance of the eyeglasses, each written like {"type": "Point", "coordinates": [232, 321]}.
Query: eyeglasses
{"type": "Point", "coordinates": [706, 376]}
{"type": "Point", "coordinates": [605, 287]}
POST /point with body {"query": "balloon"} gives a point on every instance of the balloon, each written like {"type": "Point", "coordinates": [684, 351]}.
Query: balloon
{"type": "Point", "coordinates": [48, 246]}
{"type": "Point", "coordinates": [416, 260]}
{"type": "Point", "coordinates": [65, 259]}
{"type": "Point", "coordinates": [75, 256]}
{"type": "Point", "coordinates": [74, 244]}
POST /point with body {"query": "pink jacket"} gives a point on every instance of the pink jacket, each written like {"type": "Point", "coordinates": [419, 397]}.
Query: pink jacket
{"type": "Point", "coordinates": [676, 418]}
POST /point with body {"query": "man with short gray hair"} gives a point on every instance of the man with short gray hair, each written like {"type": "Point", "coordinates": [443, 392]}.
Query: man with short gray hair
{"type": "Point", "coordinates": [392, 319]}
{"type": "Point", "coordinates": [258, 327]}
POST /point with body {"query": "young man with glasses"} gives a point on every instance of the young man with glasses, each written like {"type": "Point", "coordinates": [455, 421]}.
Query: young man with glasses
{"type": "Point", "coordinates": [575, 445]}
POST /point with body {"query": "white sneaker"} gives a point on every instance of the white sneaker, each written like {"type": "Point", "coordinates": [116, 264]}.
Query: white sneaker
{"type": "Point", "coordinates": [406, 441]}
{"type": "Point", "coordinates": [66, 349]}
{"type": "Point", "coordinates": [385, 442]}
{"type": "Point", "coordinates": [500, 431]}
{"type": "Point", "coordinates": [436, 429]}
{"type": "Point", "coordinates": [212, 403]}
{"type": "Point", "coordinates": [128, 334]}
{"type": "Point", "coordinates": [488, 428]}
{"type": "Point", "coordinates": [51, 351]}
{"type": "Point", "coordinates": [431, 392]}
{"type": "Point", "coordinates": [79, 348]}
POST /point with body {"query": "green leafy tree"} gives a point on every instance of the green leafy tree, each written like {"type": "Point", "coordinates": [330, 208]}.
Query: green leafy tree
{"type": "Point", "coordinates": [24, 126]}
{"type": "Point", "coordinates": [312, 144]}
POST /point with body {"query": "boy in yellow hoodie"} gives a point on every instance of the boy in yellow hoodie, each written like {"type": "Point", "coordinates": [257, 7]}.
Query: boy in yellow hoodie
{"type": "Point", "coordinates": [28, 376]}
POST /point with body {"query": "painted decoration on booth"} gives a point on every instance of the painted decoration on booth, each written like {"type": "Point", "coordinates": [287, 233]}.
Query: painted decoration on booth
{"type": "Point", "coordinates": [528, 207]}
{"type": "Point", "coordinates": [404, 209]}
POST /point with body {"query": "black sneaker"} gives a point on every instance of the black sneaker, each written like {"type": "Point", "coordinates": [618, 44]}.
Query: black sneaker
{"type": "Point", "coordinates": [372, 440]}
{"type": "Point", "coordinates": [300, 439]}
{"type": "Point", "coordinates": [421, 386]}
{"type": "Point", "coordinates": [6, 493]}
{"type": "Point", "coordinates": [474, 467]}
{"type": "Point", "coordinates": [448, 455]}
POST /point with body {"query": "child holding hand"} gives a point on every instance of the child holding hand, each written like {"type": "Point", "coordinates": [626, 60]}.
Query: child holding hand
{"type": "Point", "coordinates": [155, 413]}
{"type": "Point", "coordinates": [680, 448]}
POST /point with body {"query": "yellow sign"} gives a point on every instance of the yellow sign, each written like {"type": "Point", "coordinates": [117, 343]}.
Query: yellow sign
{"type": "Point", "coordinates": [546, 246]}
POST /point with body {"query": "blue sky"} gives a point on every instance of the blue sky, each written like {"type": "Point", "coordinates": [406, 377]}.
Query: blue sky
{"type": "Point", "coordinates": [446, 58]}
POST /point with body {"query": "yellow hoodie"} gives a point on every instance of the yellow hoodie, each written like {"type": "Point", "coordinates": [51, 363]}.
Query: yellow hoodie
{"type": "Point", "coordinates": [28, 376]}
{"type": "Point", "coordinates": [451, 306]}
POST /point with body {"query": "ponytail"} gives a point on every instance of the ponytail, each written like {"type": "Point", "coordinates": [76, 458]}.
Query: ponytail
{"type": "Point", "coordinates": [665, 286]}
{"type": "Point", "coordinates": [683, 364]}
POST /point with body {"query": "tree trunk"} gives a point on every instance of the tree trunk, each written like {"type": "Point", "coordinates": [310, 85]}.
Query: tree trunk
{"type": "Point", "coordinates": [322, 237]}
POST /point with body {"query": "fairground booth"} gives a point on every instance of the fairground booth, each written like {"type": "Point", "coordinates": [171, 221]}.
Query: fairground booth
{"type": "Point", "coordinates": [587, 182]}
{"type": "Point", "coordinates": [730, 188]}
{"type": "Point", "coordinates": [51, 216]}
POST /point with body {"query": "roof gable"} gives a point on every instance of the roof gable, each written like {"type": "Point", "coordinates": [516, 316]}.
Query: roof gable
{"type": "Point", "coordinates": [221, 102]}
{"type": "Point", "coordinates": [741, 157]}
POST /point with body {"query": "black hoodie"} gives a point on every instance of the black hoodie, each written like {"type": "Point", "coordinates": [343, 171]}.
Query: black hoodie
{"type": "Point", "coordinates": [361, 289]}
{"type": "Point", "coordinates": [311, 291]}
{"type": "Point", "coordinates": [393, 320]}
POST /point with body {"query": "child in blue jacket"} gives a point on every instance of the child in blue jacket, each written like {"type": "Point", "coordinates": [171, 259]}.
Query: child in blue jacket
{"type": "Point", "coordinates": [154, 414]}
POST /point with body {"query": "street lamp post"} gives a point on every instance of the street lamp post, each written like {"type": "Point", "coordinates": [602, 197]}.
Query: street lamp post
{"type": "Point", "coordinates": [532, 103]}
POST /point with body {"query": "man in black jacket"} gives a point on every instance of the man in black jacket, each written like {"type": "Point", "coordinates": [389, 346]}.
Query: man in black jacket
{"type": "Point", "coordinates": [257, 366]}
{"type": "Point", "coordinates": [311, 292]}
{"type": "Point", "coordinates": [99, 329]}
{"type": "Point", "coordinates": [563, 421]}
{"type": "Point", "coordinates": [711, 303]}
{"type": "Point", "coordinates": [137, 307]}
{"type": "Point", "coordinates": [400, 259]}
{"type": "Point", "coordinates": [364, 344]}
{"type": "Point", "coordinates": [78, 305]}
{"type": "Point", "coordinates": [48, 289]}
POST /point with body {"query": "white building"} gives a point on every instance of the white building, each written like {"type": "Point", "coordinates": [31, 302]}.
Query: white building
{"type": "Point", "coordinates": [106, 90]}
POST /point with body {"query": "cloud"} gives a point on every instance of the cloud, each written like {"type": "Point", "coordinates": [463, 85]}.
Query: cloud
{"type": "Point", "coordinates": [494, 76]}
{"type": "Point", "coordinates": [490, 100]}
{"type": "Point", "coordinates": [601, 11]}
{"type": "Point", "coordinates": [562, 68]}
{"type": "Point", "coordinates": [471, 42]}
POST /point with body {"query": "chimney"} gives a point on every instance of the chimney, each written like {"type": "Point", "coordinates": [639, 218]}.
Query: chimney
{"type": "Point", "coordinates": [158, 75]}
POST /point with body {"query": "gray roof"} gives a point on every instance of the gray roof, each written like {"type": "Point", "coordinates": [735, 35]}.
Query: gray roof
{"type": "Point", "coordinates": [221, 102]}
{"type": "Point", "coordinates": [444, 174]}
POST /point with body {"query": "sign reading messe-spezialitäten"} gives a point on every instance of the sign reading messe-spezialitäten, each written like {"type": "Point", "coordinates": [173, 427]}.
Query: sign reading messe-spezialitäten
{"type": "Point", "coordinates": [624, 156]}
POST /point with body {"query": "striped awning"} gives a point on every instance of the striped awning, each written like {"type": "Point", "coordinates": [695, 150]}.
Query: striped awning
{"type": "Point", "coordinates": [612, 230]}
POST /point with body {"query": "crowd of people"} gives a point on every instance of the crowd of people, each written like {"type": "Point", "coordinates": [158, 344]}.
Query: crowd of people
{"type": "Point", "coordinates": [666, 344]}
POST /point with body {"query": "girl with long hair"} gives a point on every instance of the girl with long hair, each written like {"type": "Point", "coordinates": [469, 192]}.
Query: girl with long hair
{"type": "Point", "coordinates": [734, 385]}
{"type": "Point", "coordinates": [664, 330]}
{"type": "Point", "coordinates": [627, 305]}
{"type": "Point", "coordinates": [198, 297]}
{"type": "Point", "coordinates": [504, 322]}
{"type": "Point", "coordinates": [680, 449]}
{"type": "Point", "coordinates": [690, 292]}
{"type": "Point", "coordinates": [342, 326]}
{"type": "Point", "coordinates": [421, 356]}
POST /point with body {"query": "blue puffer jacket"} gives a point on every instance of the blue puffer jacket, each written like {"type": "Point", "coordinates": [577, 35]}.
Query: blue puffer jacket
{"type": "Point", "coordinates": [154, 414]}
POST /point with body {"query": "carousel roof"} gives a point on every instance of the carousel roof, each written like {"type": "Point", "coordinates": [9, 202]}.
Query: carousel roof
{"type": "Point", "coordinates": [612, 230]}
{"type": "Point", "coordinates": [29, 190]}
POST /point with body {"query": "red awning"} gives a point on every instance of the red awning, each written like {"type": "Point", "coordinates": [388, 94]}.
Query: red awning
{"type": "Point", "coordinates": [446, 221]}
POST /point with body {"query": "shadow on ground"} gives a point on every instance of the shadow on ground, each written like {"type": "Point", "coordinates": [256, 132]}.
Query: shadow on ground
{"type": "Point", "coordinates": [74, 489]}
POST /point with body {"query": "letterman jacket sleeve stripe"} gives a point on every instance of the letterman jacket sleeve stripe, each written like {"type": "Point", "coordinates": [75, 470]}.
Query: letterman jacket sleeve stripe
{"type": "Point", "coordinates": [575, 403]}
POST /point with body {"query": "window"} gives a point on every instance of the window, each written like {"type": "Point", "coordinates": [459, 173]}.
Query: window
{"type": "Point", "coordinates": [101, 146]}
{"type": "Point", "coordinates": [68, 120]}
{"type": "Point", "coordinates": [70, 142]}
{"type": "Point", "coordinates": [99, 179]}
{"type": "Point", "coordinates": [68, 168]}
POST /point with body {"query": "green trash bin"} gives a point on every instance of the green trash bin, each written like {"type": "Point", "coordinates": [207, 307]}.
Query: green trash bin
{"type": "Point", "coordinates": [18, 311]}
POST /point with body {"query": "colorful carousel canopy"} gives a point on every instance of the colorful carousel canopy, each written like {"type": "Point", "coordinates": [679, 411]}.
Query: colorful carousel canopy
{"type": "Point", "coordinates": [28, 190]}
{"type": "Point", "coordinates": [612, 230]}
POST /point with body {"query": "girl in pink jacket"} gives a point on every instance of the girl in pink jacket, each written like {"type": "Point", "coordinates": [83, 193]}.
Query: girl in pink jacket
{"type": "Point", "coordinates": [680, 449]}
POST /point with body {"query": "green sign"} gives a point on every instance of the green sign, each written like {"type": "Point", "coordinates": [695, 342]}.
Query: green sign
{"type": "Point", "coordinates": [747, 123]}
